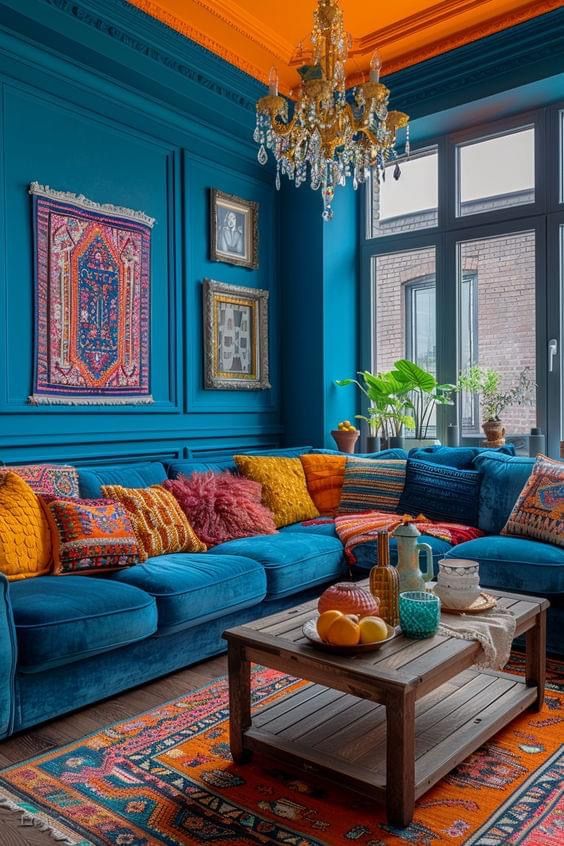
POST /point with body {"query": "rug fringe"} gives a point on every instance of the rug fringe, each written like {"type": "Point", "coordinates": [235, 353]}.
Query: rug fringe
{"type": "Point", "coordinates": [40, 821]}
{"type": "Point", "coordinates": [39, 399]}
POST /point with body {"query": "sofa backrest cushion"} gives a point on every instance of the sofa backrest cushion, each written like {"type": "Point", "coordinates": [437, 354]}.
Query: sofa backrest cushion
{"type": "Point", "coordinates": [188, 466]}
{"type": "Point", "coordinates": [441, 493]}
{"type": "Point", "coordinates": [91, 479]}
{"type": "Point", "coordinates": [461, 457]}
{"type": "Point", "coordinates": [503, 478]}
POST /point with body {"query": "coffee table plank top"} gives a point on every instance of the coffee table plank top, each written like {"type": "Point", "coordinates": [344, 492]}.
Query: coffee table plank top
{"type": "Point", "coordinates": [403, 662]}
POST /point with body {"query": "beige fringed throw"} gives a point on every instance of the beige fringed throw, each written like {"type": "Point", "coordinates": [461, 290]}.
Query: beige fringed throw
{"type": "Point", "coordinates": [494, 630]}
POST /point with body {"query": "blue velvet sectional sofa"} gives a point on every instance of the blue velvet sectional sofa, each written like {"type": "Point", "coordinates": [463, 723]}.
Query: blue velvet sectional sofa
{"type": "Point", "coordinates": [67, 641]}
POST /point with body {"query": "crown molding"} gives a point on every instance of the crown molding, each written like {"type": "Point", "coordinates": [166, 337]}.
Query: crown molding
{"type": "Point", "coordinates": [533, 9]}
{"type": "Point", "coordinates": [532, 50]}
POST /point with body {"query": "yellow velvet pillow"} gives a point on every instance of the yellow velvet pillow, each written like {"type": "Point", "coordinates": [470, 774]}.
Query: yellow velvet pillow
{"type": "Point", "coordinates": [159, 523]}
{"type": "Point", "coordinates": [284, 489]}
{"type": "Point", "coordinates": [25, 543]}
{"type": "Point", "coordinates": [324, 477]}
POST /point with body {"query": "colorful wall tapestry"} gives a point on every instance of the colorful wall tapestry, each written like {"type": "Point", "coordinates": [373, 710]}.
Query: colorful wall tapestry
{"type": "Point", "coordinates": [92, 301]}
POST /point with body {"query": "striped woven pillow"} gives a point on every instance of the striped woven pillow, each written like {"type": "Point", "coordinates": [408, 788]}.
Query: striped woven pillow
{"type": "Point", "coordinates": [372, 485]}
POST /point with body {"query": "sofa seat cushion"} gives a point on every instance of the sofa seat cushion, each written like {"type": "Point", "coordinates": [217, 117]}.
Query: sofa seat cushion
{"type": "Point", "coordinates": [190, 588]}
{"type": "Point", "coordinates": [292, 561]}
{"type": "Point", "coordinates": [510, 563]}
{"type": "Point", "coordinates": [323, 527]}
{"type": "Point", "coordinates": [61, 619]}
{"type": "Point", "coordinates": [366, 553]}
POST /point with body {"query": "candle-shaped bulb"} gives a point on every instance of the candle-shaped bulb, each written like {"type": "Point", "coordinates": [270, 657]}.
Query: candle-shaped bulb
{"type": "Point", "coordinates": [375, 66]}
{"type": "Point", "coordinates": [273, 82]}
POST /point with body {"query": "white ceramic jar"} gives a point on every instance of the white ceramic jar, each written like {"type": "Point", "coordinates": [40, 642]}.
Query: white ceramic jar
{"type": "Point", "coordinates": [458, 582]}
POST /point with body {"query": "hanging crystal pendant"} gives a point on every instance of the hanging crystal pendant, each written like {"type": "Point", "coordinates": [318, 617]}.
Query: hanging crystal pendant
{"type": "Point", "coordinates": [262, 155]}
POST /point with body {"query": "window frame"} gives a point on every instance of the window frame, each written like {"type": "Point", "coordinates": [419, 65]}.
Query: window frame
{"type": "Point", "coordinates": [450, 229]}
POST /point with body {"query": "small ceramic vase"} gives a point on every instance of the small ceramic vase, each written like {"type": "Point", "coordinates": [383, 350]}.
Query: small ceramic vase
{"type": "Point", "coordinates": [458, 582]}
{"type": "Point", "coordinates": [409, 552]}
{"type": "Point", "coordinates": [349, 598]}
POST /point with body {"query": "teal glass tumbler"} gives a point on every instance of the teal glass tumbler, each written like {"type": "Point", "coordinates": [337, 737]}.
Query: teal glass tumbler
{"type": "Point", "coordinates": [420, 613]}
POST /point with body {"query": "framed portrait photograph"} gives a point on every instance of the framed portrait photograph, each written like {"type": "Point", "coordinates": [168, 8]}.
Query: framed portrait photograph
{"type": "Point", "coordinates": [234, 230]}
{"type": "Point", "coordinates": [235, 337]}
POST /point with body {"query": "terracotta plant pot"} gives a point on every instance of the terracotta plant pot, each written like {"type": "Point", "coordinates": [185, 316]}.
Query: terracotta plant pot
{"type": "Point", "coordinates": [494, 432]}
{"type": "Point", "coordinates": [346, 441]}
{"type": "Point", "coordinates": [349, 598]}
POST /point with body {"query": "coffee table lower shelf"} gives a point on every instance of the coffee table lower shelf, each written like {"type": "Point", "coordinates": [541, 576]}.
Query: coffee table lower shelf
{"type": "Point", "coordinates": [341, 738]}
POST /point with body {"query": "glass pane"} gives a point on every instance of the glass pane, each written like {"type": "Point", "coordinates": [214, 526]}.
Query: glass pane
{"type": "Point", "coordinates": [407, 203]}
{"type": "Point", "coordinates": [496, 304]}
{"type": "Point", "coordinates": [404, 310]}
{"type": "Point", "coordinates": [496, 172]}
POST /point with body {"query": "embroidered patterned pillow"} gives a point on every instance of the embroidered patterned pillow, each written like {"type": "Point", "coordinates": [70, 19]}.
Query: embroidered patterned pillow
{"type": "Point", "coordinates": [284, 489]}
{"type": "Point", "coordinates": [158, 521]}
{"type": "Point", "coordinates": [222, 507]}
{"type": "Point", "coordinates": [25, 543]}
{"type": "Point", "coordinates": [441, 493]}
{"type": "Point", "coordinates": [539, 510]}
{"type": "Point", "coordinates": [48, 479]}
{"type": "Point", "coordinates": [90, 535]}
{"type": "Point", "coordinates": [324, 478]}
{"type": "Point", "coordinates": [372, 485]}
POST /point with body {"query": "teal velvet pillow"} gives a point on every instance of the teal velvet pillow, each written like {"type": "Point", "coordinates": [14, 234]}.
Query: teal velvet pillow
{"type": "Point", "coordinates": [441, 493]}
{"type": "Point", "coordinates": [461, 457]}
{"type": "Point", "coordinates": [503, 479]}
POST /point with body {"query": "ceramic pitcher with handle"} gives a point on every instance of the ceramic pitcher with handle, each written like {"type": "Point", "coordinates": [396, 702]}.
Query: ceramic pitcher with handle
{"type": "Point", "coordinates": [409, 551]}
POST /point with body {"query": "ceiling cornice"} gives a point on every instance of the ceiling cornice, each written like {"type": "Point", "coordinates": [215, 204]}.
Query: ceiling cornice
{"type": "Point", "coordinates": [530, 10]}
{"type": "Point", "coordinates": [250, 26]}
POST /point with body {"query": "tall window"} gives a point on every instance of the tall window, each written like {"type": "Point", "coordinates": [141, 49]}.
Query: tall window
{"type": "Point", "coordinates": [470, 275]}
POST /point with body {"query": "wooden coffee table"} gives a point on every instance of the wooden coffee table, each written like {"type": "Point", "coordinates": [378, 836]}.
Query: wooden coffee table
{"type": "Point", "coordinates": [389, 723]}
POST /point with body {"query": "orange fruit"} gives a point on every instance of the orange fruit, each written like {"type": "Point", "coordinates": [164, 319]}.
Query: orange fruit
{"type": "Point", "coordinates": [372, 629]}
{"type": "Point", "coordinates": [325, 620]}
{"type": "Point", "coordinates": [343, 632]}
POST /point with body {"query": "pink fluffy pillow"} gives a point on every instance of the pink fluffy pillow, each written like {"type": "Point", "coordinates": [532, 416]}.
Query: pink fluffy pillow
{"type": "Point", "coordinates": [221, 506]}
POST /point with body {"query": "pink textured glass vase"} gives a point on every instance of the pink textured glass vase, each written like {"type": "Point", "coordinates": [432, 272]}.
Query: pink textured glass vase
{"type": "Point", "coordinates": [349, 598]}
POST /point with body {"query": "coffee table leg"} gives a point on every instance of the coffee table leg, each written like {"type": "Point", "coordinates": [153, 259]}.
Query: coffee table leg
{"type": "Point", "coordinates": [239, 701]}
{"type": "Point", "coordinates": [400, 757]}
{"type": "Point", "coordinates": [536, 658]}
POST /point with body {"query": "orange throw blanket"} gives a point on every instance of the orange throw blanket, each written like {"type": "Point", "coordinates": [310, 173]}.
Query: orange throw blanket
{"type": "Point", "coordinates": [354, 529]}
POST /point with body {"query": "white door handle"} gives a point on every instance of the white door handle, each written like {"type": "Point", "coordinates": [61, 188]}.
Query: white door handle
{"type": "Point", "coordinates": [552, 350]}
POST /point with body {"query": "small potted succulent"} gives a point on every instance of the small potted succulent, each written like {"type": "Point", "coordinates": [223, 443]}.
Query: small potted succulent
{"type": "Point", "coordinates": [493, 400]}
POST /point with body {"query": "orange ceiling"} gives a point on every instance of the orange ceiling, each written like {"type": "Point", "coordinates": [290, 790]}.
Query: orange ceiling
{"type": "Point", "coordinates": [256, 34]}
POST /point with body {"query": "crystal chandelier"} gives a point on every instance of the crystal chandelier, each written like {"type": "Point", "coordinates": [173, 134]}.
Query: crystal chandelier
{"type": "Point", "coordinates": [328, 136]}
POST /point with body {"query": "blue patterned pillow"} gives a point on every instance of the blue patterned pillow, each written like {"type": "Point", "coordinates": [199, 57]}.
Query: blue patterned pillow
{"type": "Point", "coordinates": [372, 485]}
{"type": "Point", "coordinates": [441, 493]}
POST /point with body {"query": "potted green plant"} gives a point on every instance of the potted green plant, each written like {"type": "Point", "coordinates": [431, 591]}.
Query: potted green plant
{"type": "Point", "coordinates": [424, 393]}
{"type": "Point", "coordinates": [387, 403]}
{"type": "Point", "coordinates": [487, 382]}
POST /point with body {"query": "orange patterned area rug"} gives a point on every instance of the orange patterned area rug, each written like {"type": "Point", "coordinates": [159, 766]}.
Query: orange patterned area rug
{"type": "Point", "coordinates": [166, 777]}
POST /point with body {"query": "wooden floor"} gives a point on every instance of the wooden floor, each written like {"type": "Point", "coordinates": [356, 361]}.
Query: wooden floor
{"type": "Point", "coordinates": [67, 729]}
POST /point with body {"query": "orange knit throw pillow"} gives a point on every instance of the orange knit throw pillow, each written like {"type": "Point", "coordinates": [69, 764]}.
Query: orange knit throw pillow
{"type": "Point", "coordinates": [324, 477]}
{"type": "Point", "coordinates": [25, 543]}
{"type": "Point", "coordinates": [160, 525]}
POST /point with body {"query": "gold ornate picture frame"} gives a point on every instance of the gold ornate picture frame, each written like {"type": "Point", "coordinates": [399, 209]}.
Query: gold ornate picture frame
{"type": "Point", "coordinates": [234, 235]}
{"type": "Point", "coordinates": [235, 337]}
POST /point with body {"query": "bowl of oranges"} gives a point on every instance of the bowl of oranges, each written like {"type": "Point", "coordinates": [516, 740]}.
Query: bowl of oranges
{"type": "Point", "coordinates": [347, 633]}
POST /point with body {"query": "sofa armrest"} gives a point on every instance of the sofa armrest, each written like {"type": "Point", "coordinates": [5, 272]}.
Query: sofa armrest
{"type": "Point", "coordinates": [8, 659]}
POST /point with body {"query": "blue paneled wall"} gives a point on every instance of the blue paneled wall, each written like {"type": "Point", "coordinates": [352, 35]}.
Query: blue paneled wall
{"type": "Point", "coordinates": [98, 99]}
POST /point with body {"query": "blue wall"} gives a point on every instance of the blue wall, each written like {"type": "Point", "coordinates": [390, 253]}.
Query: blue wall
{"type": "Point", "coordinates": [85, 109]}
{"type": "Point", "coordinates": [98, 98]}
